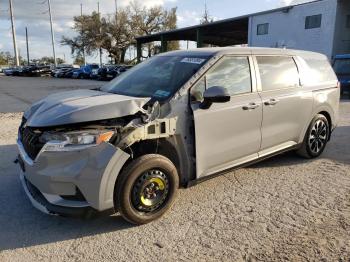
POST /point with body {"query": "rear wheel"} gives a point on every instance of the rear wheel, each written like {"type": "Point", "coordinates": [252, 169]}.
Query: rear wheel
{"type": "Point", "coordinates": [316, 137]}
{"type": "Point", "coordinates": [146, 189]}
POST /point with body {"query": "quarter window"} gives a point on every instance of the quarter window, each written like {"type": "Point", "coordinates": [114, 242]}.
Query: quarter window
{"type": "Point", "coordinates": [348, 21]}
{"type": "Point", "coordinates": [278, 72]}
{"type": "Point", "coordinates": [263, 29]}
{"type": "Point", "coordinates": [233, 73]}
{"type": "Point", "coordinates": [313, 21]}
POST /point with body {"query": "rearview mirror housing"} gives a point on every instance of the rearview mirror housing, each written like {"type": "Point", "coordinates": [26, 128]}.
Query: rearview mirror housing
{"type": "Point", "coordinates": [215, 94]}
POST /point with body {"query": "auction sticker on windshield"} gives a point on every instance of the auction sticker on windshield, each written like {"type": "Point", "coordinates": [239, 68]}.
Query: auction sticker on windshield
{"type": "Point", "coordinates": [161, 93]}
{"type": "Point", "coordinates": [193, 60]}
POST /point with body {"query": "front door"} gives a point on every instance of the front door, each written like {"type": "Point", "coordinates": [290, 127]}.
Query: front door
{"type": "Point", "coordinates": [227, 134]}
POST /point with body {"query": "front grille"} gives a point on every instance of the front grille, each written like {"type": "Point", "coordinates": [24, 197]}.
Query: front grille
{"type": "Point", "coordinates": [30, 141]}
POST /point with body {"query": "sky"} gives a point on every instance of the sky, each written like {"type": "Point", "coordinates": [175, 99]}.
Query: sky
{"type": "Point", "coordinates": [34, 15]}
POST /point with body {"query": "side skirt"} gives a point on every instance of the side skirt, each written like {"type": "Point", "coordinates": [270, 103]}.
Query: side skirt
{"type": "Point", "coordinates": [202, 179]}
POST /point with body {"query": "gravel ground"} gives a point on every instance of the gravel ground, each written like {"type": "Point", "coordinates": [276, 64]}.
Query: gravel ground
{"type": "Point", "coordinates": [285, 208]}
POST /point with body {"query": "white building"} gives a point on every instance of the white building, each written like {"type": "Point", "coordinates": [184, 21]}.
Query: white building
{"type": "Point", "coordinates": [322, 26]}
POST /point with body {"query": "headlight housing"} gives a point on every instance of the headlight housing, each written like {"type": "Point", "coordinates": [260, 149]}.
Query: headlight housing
{"type": "Point", "coordinates": [74, 140]}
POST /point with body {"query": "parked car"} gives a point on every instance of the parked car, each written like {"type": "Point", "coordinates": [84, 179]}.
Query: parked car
{"type": "Point", "coordinates": [107, 73]}
{"type": "Point", "coordinates": [85, 71]}
{"type": "Point", "coordinates": [35, 70]}
{"type": "Point", "coordinates": [95, 72]}
{"type": "Point", "coordinates": [342, 69]}
{"type": "Point", "coordinates": [8, 71]}
{"type": "Point", "coordinates": [114, 72]}
{"type": "Point", "coordinates": [69, 73]}
{"type": "Point", "coordinates": [59, 68]}
{"type": "Point", "coordinates": [17, 71]}
{"type": "Point", "coordinates": [59, 73]}
{"type": "Point", "coordinates": [174, 120]}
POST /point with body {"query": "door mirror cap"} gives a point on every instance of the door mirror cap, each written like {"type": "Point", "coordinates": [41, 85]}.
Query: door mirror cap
{"type": "Point", "coordinates": [215, 94]}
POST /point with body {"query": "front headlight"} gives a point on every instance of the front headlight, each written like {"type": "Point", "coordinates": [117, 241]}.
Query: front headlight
{"type": "Point", "coordinates": [74, 140]}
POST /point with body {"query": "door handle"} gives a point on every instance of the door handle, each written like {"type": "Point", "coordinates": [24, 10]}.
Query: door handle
{"type": "Point", "coordinates": [250, 106]}
{"type": "Point", "coordinates": [271, 102]}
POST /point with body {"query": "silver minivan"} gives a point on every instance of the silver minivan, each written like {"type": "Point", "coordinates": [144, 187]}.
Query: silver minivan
{"type": "Point", "coordinates": [172, 121]}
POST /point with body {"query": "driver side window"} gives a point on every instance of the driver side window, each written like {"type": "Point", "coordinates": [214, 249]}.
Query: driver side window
{"type": "Point", "coordinates": [232, 73]}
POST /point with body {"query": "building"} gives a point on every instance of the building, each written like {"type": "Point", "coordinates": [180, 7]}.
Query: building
{"type": "Point", "coordinates": [321, 26]}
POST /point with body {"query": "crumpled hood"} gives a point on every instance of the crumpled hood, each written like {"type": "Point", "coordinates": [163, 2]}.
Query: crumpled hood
{"type": "Point", "coordinates": [81, 106]}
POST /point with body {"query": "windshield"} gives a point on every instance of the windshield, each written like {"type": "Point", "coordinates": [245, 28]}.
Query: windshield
{"type": "Point", "coordinates": [342, 66]}
{"type": "Point", "coordinates": [158, 77]}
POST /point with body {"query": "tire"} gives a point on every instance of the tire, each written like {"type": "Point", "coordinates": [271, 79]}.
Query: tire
{"type": "Point", "coordinates": [81, 76]}
{"type": "Point", "coordinates": [316, 138]}
{"type": "Point", "coordinates": [147, 175]}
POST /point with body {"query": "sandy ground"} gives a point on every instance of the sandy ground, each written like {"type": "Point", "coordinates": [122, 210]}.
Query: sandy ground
{"type": "Point", "coordinates": [285, 208]}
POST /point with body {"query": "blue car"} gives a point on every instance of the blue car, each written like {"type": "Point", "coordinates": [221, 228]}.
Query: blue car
{"type": "Point", "coordinates": [342, 69]}
{"type": "Point", "coordinates": [85, 71]}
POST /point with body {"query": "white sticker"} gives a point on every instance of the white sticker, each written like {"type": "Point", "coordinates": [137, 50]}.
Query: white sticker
{"type": "Point", "coordinates": [193, 60]}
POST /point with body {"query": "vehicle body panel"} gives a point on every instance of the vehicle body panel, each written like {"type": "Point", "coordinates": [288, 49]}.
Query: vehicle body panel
{"type": "Point", "coordinates": [281, 122]}
{"type": "Point", "coordinates": [93, 171]}
{"type": "Point", "coordinates": [225, 133]}
{"type": "Point", "coordinates": [81, 106]}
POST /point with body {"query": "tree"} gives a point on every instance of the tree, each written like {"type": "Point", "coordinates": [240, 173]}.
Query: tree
{"type": "Point", "coordinates": [79, 60]}
{"type": "Point", "coordinates": [5, 57]}
{"type": "Point", "coordinates": [153, 20]}
{"type": "Point", "coordinates": [88, 38]}
{"type": "Point", "coordinates": [117, 33]}
{"type": "Point", "coordinates": [48, 60]}
{"type": "Point", "coordinates": [206, 18]}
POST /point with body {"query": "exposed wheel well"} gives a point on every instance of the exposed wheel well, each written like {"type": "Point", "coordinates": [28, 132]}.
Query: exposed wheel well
{"type": "Point", "coordinates": [155, 146]}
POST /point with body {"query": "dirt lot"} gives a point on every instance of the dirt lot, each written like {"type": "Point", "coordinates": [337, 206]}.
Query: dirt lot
{"type": "Point", "coordinates": [285, 208]}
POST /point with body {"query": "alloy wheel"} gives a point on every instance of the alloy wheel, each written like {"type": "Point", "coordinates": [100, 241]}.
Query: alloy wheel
{"type": "Point", "coordinates": [318, 136]}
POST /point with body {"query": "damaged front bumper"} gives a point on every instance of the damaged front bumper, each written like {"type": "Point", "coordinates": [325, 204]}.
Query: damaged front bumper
{"type": "Point", "coordinates": [72, 183]}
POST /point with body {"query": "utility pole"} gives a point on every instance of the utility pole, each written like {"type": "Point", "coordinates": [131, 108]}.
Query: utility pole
{"type": "Point", "coordinates": [82, 29]}
{"type": "Point", "coordinates": [52, 34]}
{"type": "Point", "coordinates": [99, 18]}
{"type": "Point", "coordinates": [27, 45]}
{"type": "Point", "coordinates": [14, 34]}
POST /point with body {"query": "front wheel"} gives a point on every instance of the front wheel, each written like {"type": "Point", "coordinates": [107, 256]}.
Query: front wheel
{"type": "Point", "coordinates": [146, 189]}
{"type": "Point", "coordinates": [316, 137]}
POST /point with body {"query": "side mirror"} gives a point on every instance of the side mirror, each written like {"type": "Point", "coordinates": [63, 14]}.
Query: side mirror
{"type": "Point", "coordinates": [215, 94]}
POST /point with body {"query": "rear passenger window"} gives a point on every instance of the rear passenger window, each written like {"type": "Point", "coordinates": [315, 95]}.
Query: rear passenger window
{"type": "Point", "coordinates": [233, 73]}
{"type": "Point", "coordinates": [318, 71]}
{"type": "Point", "coordinates": [278, 72]}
